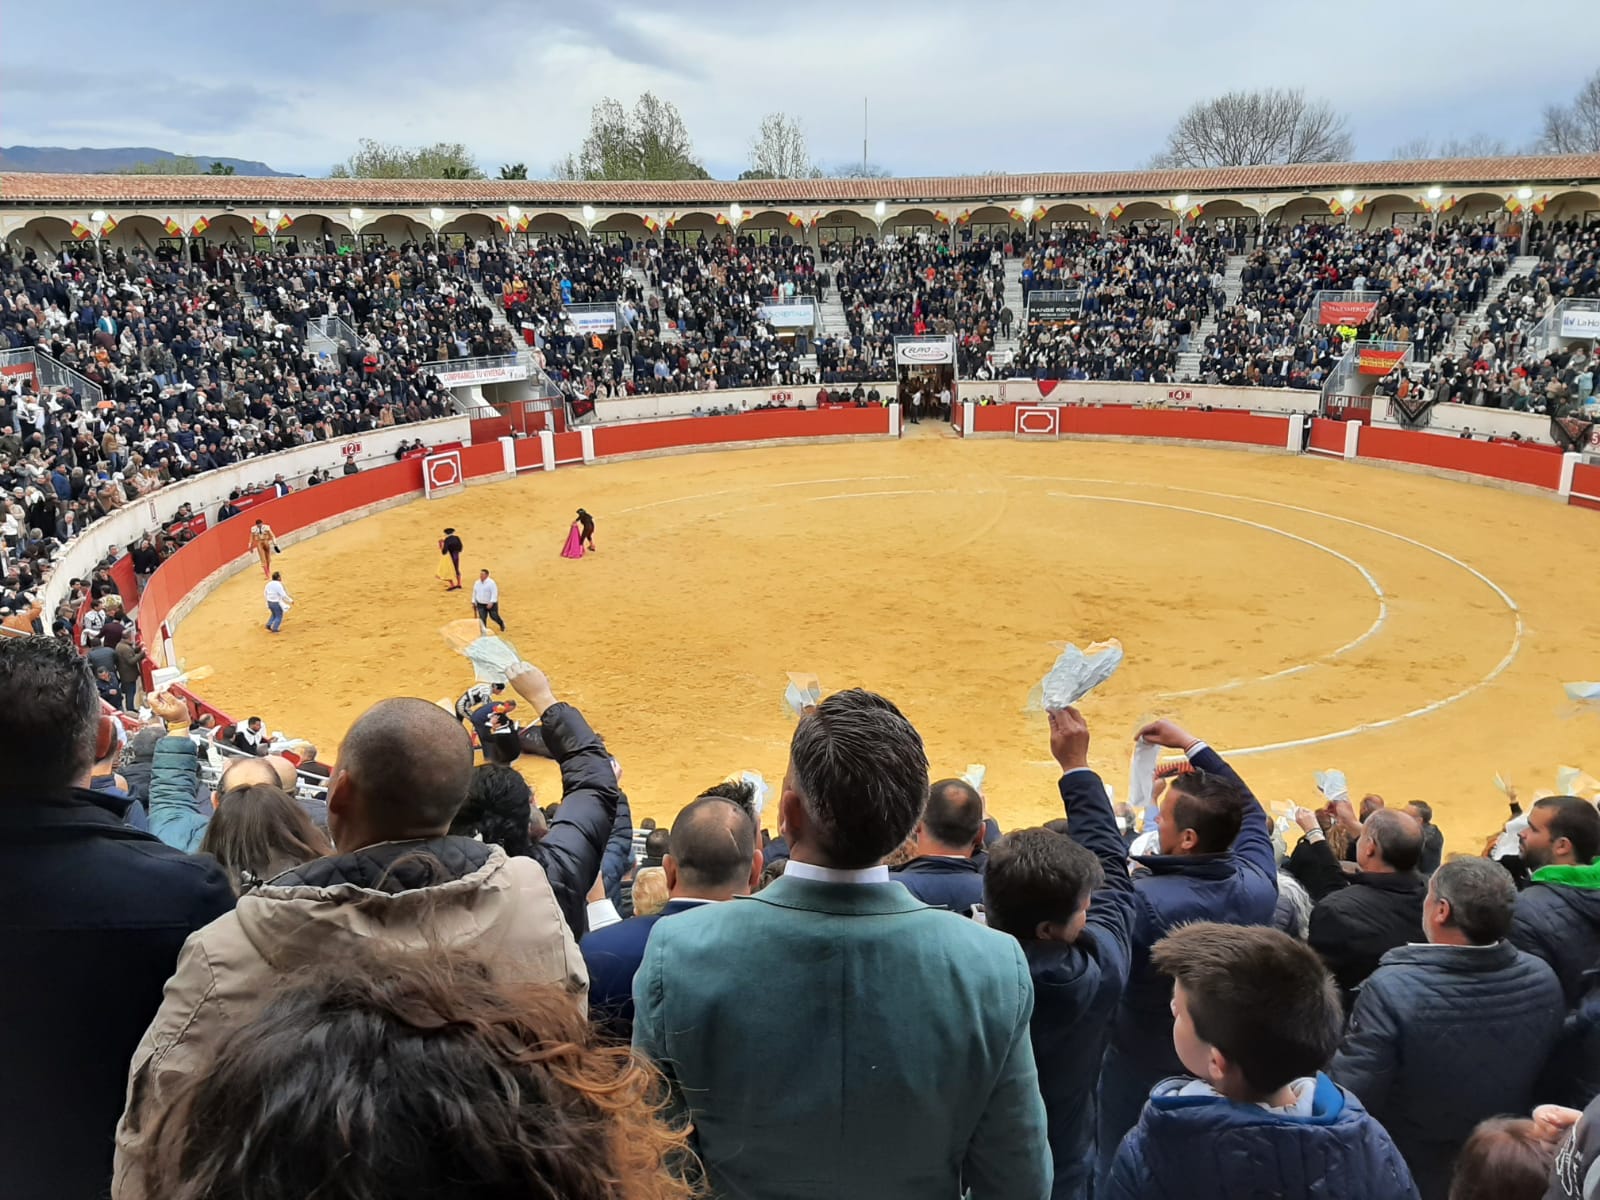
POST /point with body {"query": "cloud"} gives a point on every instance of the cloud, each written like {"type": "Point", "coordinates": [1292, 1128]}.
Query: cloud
{"type": "Point", "coordinates": [949, 89]}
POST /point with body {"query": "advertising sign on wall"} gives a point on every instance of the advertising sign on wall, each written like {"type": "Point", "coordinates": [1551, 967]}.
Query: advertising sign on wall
{"type": "Point", "coordinates": [1580, 323]}
{"type": "Point", "coordinates": [787, 316]}
{"type": "Point", "coordinates": [918, 353]}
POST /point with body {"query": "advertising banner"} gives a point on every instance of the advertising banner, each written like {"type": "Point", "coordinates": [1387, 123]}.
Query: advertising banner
{"type": "Point", "coordinates": [499, 374]}
{"type": "Point", "coordinates": [918, 353]}
{"type": "Point", "coordinates": [788, 315]}
{"type": "Point", "coordinates": [1580, 323]}
{"type": "Point", "coordinates": [1345, 312]}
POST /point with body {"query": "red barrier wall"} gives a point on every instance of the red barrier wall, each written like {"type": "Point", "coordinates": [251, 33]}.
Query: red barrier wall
{"type": "Point", "coordinates": [223, 543]}
{"type": "Point", "coordinates": [1327, 435]}
{"type": "Point", "coordinates": [1505, 460]}
{"type": "Point", "coordinates": [1120, 421]}
{"type": "Point", "coordinates": [1585, 486]}
{"type": "Point", "coordinates": [487, 429]}
{"type": "Point", "coordinates": [740, 427]}
{"type": "Point", "coordinates": [569, 447]}
{"type": "Point", "coordinates": [527, 453]}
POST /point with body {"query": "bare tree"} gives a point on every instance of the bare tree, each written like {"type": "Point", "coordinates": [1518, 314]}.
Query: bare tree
{"type": "Point", "coordinates": [858, 170]}
{"type": "Point", "coordinates": [779, 150]}
{"type": "Point", "coordinates": [1574, 128]}
{"type": "Point", "coordinates": [1477, 145]}
{"type": "Point", "coordinates": [1249, 129]}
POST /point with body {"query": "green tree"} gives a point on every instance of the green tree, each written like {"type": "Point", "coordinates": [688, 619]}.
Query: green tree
{"type": "Point", "coordinates": [219, 168]}
{"type": "Point", "coordinates": [178, 164]}
{"type": "Point", "coordinates": [650, 142]}
{"type": "Point", "coordinates": [514, 171]}
{"type": "Point", "coordinates": [378, 160]}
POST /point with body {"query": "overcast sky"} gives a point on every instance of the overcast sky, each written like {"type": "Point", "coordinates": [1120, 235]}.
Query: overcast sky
{"type": "Point", "coordinates": [952, 88]}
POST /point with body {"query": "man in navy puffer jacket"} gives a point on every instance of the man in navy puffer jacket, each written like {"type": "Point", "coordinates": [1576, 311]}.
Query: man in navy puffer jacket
{"type": "Point", "coordinates": [1216, 864]}
{"type": "Point", "coordinates": [1069, 902]}
{"type": "Point", "coordinates": [1255, 1016]}
{"type": "Point", "coordinates": [1449, 1033]}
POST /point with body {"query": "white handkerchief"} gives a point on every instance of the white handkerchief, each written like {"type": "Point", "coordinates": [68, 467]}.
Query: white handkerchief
{"type": "Point", "coordinates": [1076, 673]}
{"type": "Point", "coordinates": [1142, 778]}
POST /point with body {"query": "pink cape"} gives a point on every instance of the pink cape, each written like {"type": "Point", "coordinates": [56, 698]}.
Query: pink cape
{"type": "Point", "coordinates": [574, 546]}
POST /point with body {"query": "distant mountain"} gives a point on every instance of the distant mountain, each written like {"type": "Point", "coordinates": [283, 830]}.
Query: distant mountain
{"type": "Point", "coordinates": [87, 160]}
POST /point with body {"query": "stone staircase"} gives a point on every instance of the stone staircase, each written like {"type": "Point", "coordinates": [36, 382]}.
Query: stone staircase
{"type": "Point", "coordinates": [1188, 369]}
{"type": "Point", "coordinates": [1471, 323]}
{"type": "Point", "coordinates": [1012, 299]}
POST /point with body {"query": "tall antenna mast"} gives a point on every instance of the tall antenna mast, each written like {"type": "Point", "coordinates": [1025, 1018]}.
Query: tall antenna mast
{"type": "Point", "coordinates": [863, 135]}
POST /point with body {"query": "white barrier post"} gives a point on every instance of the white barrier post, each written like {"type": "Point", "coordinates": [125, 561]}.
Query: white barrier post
{"type": "Point", "coordinates": [966, 417]}
{"type": "Point", "coordinates": [1352, 438]}
{"type": "Point", "coordinates": [586, 440]}
{"type": "Point", "coordinates": [1569, 461]}
{"type": "Point", "coordinates": [547, 449]}
{"type": "Point", "coordinates": [894, 420]}
{"type": "Point", "coordinates": [1297, 429]}
{"type": "Point", "coordinates": [508, 451]}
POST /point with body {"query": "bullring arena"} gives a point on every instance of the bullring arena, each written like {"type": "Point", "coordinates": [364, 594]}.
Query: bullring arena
{"type": "Point", "coordinates": [1301, 612]}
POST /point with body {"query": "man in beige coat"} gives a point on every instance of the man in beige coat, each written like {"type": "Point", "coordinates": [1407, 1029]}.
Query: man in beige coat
{"type": "Point", "coordinates": [401, 774]}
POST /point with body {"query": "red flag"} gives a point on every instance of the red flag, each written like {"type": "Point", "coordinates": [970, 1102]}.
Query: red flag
{"type": "Point", "coordinates": [1372, 361]}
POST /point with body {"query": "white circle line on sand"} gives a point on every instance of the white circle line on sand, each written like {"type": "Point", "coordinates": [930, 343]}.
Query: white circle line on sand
{"type": "Point", "coordinates": [1370, 726]}
{"type": "Point", "coordinates": [1377, 590]}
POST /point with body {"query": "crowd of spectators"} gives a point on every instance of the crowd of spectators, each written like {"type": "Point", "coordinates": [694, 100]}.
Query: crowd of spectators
{"type": "Point", "coordinates": [340, 980]}
{"type": "Point", "coordinates": [1142, 292]}
{"type": "Point", "coordinates": [183, 368]}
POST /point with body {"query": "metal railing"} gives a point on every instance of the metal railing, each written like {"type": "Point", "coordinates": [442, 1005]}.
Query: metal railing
{"type": "Point", "coordinates": [52, 373]}
{"type": "Point", "coordinates": [327, 333]}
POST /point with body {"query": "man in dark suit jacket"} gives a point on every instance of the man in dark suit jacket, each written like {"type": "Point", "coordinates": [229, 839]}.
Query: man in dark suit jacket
{"type": "Point", "coordinates": [1038, 887]}
{"type": "Point", "coordinates": [945, 872]}
{"type": "Point", "coordinates": [1216, 864]}
{"type": "Point", "coordinates": [711, 857]}
{"type": "Point", "coordinates": [92, 916]}
{"type": "Point", "coordinates": [893, 1038]}
{"type": "Point", "coordinates": [1359, 918]}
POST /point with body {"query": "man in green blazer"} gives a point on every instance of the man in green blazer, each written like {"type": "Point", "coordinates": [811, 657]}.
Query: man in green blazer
{"type": "Point", "coordinates": [832, 1036]}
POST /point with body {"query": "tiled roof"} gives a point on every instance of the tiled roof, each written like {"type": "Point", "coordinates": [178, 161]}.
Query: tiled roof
{"type": "Point", "coordinates": [33, 188]}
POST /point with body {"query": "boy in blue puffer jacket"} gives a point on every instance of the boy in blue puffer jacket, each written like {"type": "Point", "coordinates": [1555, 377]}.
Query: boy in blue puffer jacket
{"type": "Point", "coordinates": [1256, 1017]}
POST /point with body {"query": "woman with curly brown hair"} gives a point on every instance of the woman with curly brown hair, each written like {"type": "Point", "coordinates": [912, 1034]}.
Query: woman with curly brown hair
{"type": "Point", "coordinates": [417, 1075]}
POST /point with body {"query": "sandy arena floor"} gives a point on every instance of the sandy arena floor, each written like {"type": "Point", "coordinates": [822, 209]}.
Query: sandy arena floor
{"type": "Point", "coordinates": [1442, 616]}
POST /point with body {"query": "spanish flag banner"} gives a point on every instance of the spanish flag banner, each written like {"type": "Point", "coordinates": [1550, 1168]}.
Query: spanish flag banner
{"type": "Point", "coordinates": [653, 225]}
{"type": "Point", "coordinates": [1194, 211]}
{"type": "Point", "coordinates": [1117, 210]}
{"type": "Point", "coordinates": [941, 216]}
{"type": "Point", "coordinates": [1538, 205]}
{"type": "Point", "coordinates": [1513, 205]}
{"type": "Point", "coordinates": [173, 228]}
{"type": "Point", "coordinates": [107, 226]}
{"type": "Point", "coordinates": [964, 216]}
{"type": "Point", "coordinates": [722, 218]}
{"type": "Point", "coordinates": [1372, 361]}
{"type": "Point", "coordinates": [1091, 210]}
{"type": "Point", "coordinates": [523, 222]}
{"type": "Point", "coordinates": [1335, 207]}
{"type": "Point", "coordinates": [260, 227]}
{"type": "Point", "coordinates": [1018, 215]}
{"type": "Point", "coordinates": [81, 231]}
{"type": "Point", "coordinates": [672, 220]}
{"type": "Point", "coordinates": [1038, 213]}
{"type": "Point", "coordinates": [284, 222]}
{"type": "Point", "coordinates": [797, 220]}
{"type": "Point", "coordinates": [1447, 204]}
{"type": "Point", "coordinates": [199, 227]}
{"type": "Point", "coordinates": [1359, 207]}
{"type": "Point", "coordinates": [505, 225]}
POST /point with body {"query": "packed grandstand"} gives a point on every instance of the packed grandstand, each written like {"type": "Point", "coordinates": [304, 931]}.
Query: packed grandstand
{"type": "Point", "coordinates": [1351, 1013]}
